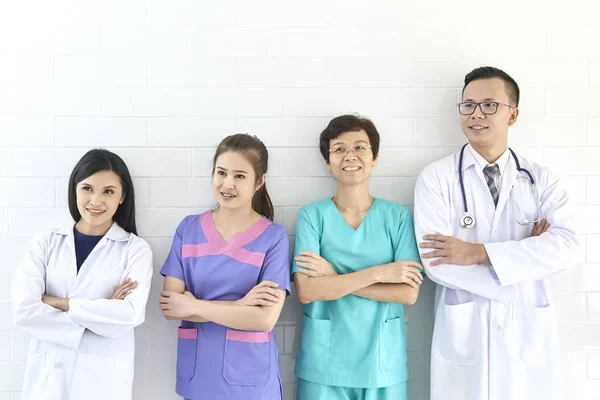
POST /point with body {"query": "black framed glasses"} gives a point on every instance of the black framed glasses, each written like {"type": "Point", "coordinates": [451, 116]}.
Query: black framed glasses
{"type": "Point", "coordinates": [486, 107]}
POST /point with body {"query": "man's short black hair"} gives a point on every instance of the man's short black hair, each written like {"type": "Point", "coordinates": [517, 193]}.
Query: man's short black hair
{"type": "Point", "coordinates": [510, 85]}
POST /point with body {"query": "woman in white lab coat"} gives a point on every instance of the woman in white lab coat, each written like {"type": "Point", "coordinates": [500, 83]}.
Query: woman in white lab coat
{"type": "Point", "coordinates": [80, 291]}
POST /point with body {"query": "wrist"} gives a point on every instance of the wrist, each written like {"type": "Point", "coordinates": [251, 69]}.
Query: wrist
{"type": "Point", "coordinates": [377, 274]}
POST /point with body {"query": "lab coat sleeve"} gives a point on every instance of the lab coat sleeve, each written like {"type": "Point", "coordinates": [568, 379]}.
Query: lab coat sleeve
{"type": "Point", "coordinates": [433, 216]}
{"type": "Point", "coordinates": [539, 257]}
{"type": "Point", "coordinates": [39, 320]}
{"type": "Point", "coordinates": [113, 318]}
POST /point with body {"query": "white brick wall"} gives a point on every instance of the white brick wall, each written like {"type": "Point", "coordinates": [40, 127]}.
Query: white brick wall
{"type": "Point", "coordinates": [161, 82]}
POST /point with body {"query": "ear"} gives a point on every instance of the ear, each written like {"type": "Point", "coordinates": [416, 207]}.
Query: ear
{"type": "Point", "coordinates": [122, 199]}
{"type": "Point", "coordinates": [513, 117]}
{"type": "Point", "coordinates": [374, 162]}
{"type": "Point", "coordinates": [260, 183]}
{"type": "Point", "coordinates": [328, 166]}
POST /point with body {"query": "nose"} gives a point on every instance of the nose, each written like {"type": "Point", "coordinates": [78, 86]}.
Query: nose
{"type": "Point", "coordinates": [228, 182]}
{"type": "Point", "coordinates": [478, 114]}
{"type": "Point", "coordinates": [350, 150]}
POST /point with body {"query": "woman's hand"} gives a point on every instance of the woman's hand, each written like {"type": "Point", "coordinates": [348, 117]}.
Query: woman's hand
{"type": "Point", "coordinates": [59, 303]}
{"type": "Point", "coordinates": [408, 272]}
{"type": "Point", "coordinates": [124, 289]}
{"type": "Point", "coordinates": [312, 264]}
{"type": "Point", "coordinates": [263, 294]}
{"type": "Point", "coordinates": [176, 304]}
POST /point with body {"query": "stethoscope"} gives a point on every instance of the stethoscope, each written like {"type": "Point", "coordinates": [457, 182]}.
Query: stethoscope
{"type": "Point", "coordinates": [468, 220]}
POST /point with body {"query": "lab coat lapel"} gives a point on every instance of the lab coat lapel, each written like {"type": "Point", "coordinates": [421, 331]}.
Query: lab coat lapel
{"type": "Point", "coordinates": [510, 174]}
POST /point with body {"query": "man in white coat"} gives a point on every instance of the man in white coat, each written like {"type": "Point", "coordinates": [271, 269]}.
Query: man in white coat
{"type": "Point", "coordinates": [494, 227]}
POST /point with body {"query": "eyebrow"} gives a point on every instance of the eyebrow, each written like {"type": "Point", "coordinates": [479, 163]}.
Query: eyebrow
{"type": "Point", "coordinates": [358, 141]}
{"type": "Point", "coordinates": [105, 187]}
{"type": "Point", "coordinates": [237, 171]}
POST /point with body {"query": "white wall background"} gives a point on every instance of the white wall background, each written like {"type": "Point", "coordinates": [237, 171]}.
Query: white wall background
{"type": "Point", "coordinates": [162, 81]}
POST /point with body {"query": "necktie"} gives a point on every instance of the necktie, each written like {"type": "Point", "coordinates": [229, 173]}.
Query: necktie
{"type": "Point", "coordinates": [490, 173]}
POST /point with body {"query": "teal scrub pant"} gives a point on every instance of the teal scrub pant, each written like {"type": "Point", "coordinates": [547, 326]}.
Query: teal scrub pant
{"type": "Point", "coordinates": [314, 391]}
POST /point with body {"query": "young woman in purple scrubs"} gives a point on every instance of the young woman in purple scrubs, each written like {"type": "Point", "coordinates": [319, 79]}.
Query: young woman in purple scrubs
{"type": "Point", "coordinates": [226, 279]}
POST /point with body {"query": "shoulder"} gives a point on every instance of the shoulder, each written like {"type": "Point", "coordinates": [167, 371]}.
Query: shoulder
{"type": "Point", "coordinates": [138, 245]}
{"type": "Point", "coordinates": [276, 231]}
{"type": "Point", "coordinates": [190, 221]}
{"type": "Point", "coordinates": [439, 168]}
{"type": "Point", "coordinates": [390, 208]}
{"type": "Point", "coordinates": [315, 210]}
{"type": "Point", "coordinates": [542, 175]}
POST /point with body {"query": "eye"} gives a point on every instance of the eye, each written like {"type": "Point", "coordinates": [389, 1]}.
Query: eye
{"type": "Point", "coordinates": [339, 150]}
{"type": "Point", "coordinates": [240, 176]}
{"type": "Point", "coordinates": [468, 105]}
{"type": "Point", "coordinates": [488, 105]}
{"type": "Point", "coordinates": [109, 191]}
{"type": "Point", "coordinates": [361, 147]}
{"type": "Point", "coordinates": [86, 188]}
{"type": "Point", "coordinates": [222, 173]}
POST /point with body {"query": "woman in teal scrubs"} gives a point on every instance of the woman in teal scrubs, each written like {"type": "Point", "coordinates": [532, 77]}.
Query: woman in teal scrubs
{"type": "Point", "coordinates": [355, 264]}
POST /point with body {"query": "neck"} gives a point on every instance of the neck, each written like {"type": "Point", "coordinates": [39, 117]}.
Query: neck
{"type": "Point", "coordinates": [87, 229]}
{"type": "Point", "coordinates": [491, 153]}
{"type": "Point", "coordinates": [232, 220]}
{"type": "Point", "coordinates": [353, 198]}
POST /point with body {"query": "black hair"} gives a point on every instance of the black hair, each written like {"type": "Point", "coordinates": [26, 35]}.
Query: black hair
{"type": "Point", "coordinates": [103, 160]}
{"type": "Point", "coordinates": [510, 85]}
{"type": "Point", "coordinates": [256, 153]}
{"type": "Point", "coordinates": [348, 123]}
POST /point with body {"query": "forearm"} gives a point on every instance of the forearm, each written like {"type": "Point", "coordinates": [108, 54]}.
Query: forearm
{"type": "Point", "coordinates": [333, 287]}
{"type": "Point", "coordinates": [389, 293]}
{"type": "Point", "coordinates": [232, 315]}
{"type": "Point", "coordinates": [196, 318]}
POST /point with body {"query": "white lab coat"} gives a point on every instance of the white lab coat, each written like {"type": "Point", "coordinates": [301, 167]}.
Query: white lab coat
{"type": "Point", "coordinates": [495, 335]}
{"type": "Point", "coordinates": [86, 353]}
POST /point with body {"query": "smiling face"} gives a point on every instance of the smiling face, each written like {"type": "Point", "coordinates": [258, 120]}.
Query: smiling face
{"type": "Point", "coordinates": [353, 165]}
{"type": "Point", "coordinates": [234, 181]}
{"type": "Point", "coordinates": [98, 197]}
{"type": "Point", "coordinates": [488, 130]}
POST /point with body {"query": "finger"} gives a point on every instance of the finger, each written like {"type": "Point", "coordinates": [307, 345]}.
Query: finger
{"type": "Point", "coordinates": [436, 237]}
{"type": "Point", "coordinates": [269, 296]}
{"type": "Point", "coordinates": [431, 245]}
{"type": "Point", "coordinates": [303, 259]}
{"type": "Point", "coordinates": [307, 265]}
{"type": "Point", "coordinates": [268, 284]}
{"type": "Point", "coordinates": [440, 261]}
{"type": "Point", "coordinates": [165, 293]}
{"type": "Point", "coordinates": [265, 303]}
{"type": "Point", "coordinates": [308, 272]}
{"type": "Point", "coordinates": [416, 274]}
{"type": "Point", "coordinates": [271, 291]}
{"type": "Point", "coordinates": [309, 254]}
{"type": "Point", "coordinates": [434, 254]}
{"type": "Point", "coordinates": [411, 283]}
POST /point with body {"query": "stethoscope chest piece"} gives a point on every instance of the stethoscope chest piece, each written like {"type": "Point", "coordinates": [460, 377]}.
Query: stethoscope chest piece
{"type": "Point", "coordinates": [467, 221]}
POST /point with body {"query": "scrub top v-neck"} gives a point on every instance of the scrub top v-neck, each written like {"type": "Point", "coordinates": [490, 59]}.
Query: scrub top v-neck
{"type": "Point", "coordinates": [213, 361]}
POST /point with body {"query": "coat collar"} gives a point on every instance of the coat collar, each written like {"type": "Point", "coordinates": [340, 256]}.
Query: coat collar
{"type": "Point", "coordinates": [115, 233]}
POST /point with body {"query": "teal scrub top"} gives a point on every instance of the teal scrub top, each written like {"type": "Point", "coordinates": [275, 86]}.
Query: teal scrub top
{"type": "Point", "coordinates": [353, 341]}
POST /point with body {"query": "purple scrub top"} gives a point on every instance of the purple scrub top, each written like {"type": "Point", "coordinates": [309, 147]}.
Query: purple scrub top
{"type": "Point", "coordinates": [213, 361]}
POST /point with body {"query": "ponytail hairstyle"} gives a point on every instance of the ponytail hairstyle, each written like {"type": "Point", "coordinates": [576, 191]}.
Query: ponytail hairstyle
{"type": "Point", "coordinates": [97, 160]}
{"type": "Point", "coordinates": [256, 153]}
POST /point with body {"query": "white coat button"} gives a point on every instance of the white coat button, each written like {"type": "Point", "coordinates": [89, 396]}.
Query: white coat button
{"type": "Point", "coordinates": [57, 365]}
{"type": "Point", "coordinates": [497, 326]}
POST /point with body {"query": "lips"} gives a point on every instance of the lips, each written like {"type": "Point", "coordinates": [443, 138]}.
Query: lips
{"type": "Point", "coordinates": [95, 213]}
{"type": "Point", "coordinates": [351, 168]}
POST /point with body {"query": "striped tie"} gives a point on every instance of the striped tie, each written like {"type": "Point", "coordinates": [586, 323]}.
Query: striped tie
{"type": "Point", "coordinates": [490, 173]}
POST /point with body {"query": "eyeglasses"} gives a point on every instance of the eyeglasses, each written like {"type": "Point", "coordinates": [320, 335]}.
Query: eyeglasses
{"type": "Point", "coordinates": [486, 107]}
{"type": "Point", "coordinates": [359, 149]}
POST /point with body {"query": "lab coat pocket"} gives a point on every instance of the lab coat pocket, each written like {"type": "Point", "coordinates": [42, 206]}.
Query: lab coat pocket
{"type": "Point", "coordinates": [247, 359]}
{"type": "Point", "coordinates": [186, 353]}
{"type": "Point", "coordinates": [536, 335]}
{"type": "Point", "coordinates": [392, 345]}
{"type": "Point", "coordinates": [457, 334]}
{"type": "Point", "coordinates": [314, 351]}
